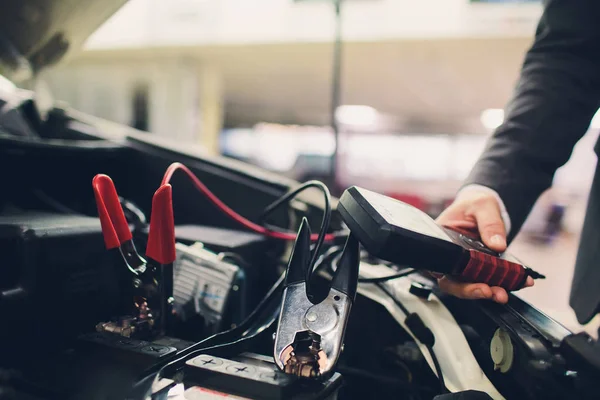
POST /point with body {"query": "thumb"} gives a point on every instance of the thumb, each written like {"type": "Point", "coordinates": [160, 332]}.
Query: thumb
{"type": "Point", "coordinates": [491, 226]}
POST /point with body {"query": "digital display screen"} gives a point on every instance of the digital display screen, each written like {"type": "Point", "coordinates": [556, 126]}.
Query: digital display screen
{"type": "Point", "coordinates": [404, 215]}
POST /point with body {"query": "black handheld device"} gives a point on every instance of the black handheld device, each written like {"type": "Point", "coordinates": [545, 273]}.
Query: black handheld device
{"type": "Point", "coordinates": [400, 233]}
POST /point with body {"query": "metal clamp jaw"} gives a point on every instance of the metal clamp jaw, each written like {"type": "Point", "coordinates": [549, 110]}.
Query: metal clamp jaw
{"type": "Point", "coordinates": [310, 336]}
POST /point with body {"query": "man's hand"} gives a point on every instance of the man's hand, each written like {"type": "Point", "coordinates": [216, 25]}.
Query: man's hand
{"type": "Point", "coordinates": [479, 212]}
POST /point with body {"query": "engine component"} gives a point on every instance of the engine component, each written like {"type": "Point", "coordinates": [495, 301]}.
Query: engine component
{"type": "Point", "coordinates": [451, 348]}
{"type": "Point", "coordinates": [207, 285]}
{"type": "Point", "coordinates": [501, 350]}
{"type": "Point", "coordinates": [420, 290]}
{"type": "Point", "coordinates": [521, 349]}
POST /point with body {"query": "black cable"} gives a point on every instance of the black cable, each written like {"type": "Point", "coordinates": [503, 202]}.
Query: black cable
{"type": "Point", "coordinates": [293, 193]}
{"type": "Point", "coordinates": [394, 299]}
{"type": "Point", "coordinates": [326, 258]}
{"type": "Point", "coordinates": [438, 370]}
{"type": "Point", "coordinates": [369, 280]}
{"type": "Point", "coordinates": [326, 215]}
{"type": "Point", "coordinates": [387, 278]}
{"type": "Point", "coordinates": [436, 363]}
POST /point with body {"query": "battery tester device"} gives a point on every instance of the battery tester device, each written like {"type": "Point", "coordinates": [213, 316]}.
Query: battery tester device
{"type": "Point", "coordinates": [400, 233]}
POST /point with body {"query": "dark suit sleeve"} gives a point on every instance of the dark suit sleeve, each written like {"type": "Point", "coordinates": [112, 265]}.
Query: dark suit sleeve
{"type": "Point", "coordinates": [554, 101]}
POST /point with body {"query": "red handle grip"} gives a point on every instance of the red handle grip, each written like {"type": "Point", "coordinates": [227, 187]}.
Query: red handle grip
{"type": "Point", "coordinates": [114, 224]}
{"type": "Point", "coordinates": [494, 271]}
{"type": "Point", "coordinates": [161, 237]}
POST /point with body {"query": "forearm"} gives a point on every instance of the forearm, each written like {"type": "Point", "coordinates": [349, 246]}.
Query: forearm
{"type": "Point", "coordinates": [554, 101]}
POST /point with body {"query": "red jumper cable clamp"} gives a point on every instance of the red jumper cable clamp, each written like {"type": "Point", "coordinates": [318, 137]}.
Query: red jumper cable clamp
{"type": "Point", "coordinates": [153, 277]}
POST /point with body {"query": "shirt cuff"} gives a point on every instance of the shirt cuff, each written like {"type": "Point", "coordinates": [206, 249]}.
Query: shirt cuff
{"type": "Point", "coordinates": [503, 212]}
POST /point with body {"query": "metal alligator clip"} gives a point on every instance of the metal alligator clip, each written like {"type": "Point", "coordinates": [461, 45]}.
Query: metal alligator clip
{"type": "Point", "coordinates": [310, 336]}
{"type": "Point", "coordinates": [153, 277]}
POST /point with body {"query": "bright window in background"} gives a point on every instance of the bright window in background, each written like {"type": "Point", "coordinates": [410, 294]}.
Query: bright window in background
{"type": "Point", "coordinates": [276, 147]}
{"type": "Point", "coordinates": [398, 156]}
{"type": "Point", "coordinates": [426, 157]}
{"type": "Point", "coordinates": [357, 117]}
{"type": "Point", "coordinates": [465, 152]}
{"type": "Point", "coordinates": [492, 118]}
{"type": "Point", "coordinates": [237, 142]}
{"type": "Point", "coordinates": [363, 155]}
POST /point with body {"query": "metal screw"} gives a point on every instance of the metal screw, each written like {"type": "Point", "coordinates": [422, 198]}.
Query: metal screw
{"type": "Point", "coordinates": [235, 288]}
{"type": "Point", "coordinates": [170, 300]}
{"type": "Point", "coordinates": [311, 317]}
{"type": "Point", "coordinates": [137, 282]}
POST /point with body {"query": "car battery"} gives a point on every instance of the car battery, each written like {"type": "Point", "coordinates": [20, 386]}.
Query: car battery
{"type": "Point", "coordinates": [251, 376]}
{"type": "Point", "coordinates": [56, 278]}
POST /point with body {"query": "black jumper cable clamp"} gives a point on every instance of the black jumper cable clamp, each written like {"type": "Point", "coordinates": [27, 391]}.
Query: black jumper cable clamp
{"type": "Point", "coordinates": [309, 338]}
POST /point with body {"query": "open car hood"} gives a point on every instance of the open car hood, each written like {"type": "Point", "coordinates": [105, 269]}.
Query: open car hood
{"type": "Point", "coordinates": [38, 33]}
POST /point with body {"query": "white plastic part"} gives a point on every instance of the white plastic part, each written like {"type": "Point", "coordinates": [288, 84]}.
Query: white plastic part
{"type": "Point", "coordinates": [458, 364]}
{"type": "Point", "coordinates": [501, 350]}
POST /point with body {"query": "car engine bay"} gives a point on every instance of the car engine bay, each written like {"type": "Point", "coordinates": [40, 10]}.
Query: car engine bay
{"type": "Point", "coordinates": [185, 299]}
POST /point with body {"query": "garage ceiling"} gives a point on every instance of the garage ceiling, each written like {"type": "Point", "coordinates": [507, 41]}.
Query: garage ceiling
{"type": "Point", "coordinates": [426, 83]}
{"type": "Point", "coordinates": [430, 85]}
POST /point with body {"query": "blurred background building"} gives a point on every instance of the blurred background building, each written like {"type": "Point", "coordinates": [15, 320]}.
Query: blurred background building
{"type": "Point", "coordinates": [423, 84]}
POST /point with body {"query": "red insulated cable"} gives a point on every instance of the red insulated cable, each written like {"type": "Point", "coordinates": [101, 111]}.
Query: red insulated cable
{"type": "Point", "coordinates": [228, 211]}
